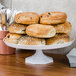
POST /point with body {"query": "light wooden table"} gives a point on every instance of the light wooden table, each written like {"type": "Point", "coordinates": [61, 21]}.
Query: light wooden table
{"type": "Point", "coordinates": [14, 65]}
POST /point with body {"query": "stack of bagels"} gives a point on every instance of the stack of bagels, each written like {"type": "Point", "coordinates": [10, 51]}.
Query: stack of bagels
{"type": "Point", "coordinates": [46, 29]}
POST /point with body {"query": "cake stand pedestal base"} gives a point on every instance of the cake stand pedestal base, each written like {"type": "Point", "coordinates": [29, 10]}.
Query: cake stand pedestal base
{"type": "Point", "coordinates": [39, 58]}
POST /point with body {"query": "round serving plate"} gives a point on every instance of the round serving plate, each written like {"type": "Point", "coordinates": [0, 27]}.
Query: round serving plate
{"type": "Point", "coordinates": [39, 57]}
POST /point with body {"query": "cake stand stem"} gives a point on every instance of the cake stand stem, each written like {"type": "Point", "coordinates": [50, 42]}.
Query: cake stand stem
{"type": "Point", "coordinates": [39, 58]}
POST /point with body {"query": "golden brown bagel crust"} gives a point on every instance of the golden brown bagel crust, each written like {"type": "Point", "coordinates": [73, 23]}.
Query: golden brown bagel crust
{"type": "Point", "coordinates": [27, 40]}
{"type": "Point", "coordinates": [17, 28]}
{"type": "Point", "coordinates": [12, 38]}
{"type": "Point", "coordinates": [53, 18]}
{"type": "Point", "coordinates": [40, 31]}
{"type": "Point", "coordinates": [27, 18]}
{"type": "Point", "coordinates": [58, 39]}
{"type": "Point", "coordinates": [3, 19]}
{"type": "Point", "coordinates": [0, 18]}
{"type": "Point", "coordinates": [63, 28]}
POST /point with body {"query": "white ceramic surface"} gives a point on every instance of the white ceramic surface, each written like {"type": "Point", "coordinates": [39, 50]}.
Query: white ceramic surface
{"type": "Point", "coordinates": [72, 57]}
{"type": "Point", "coordinates": [39, 57]}
{"type": "Point", "coordinates": [43, 47]}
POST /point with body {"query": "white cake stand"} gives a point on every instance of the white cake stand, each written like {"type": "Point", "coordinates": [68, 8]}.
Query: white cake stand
{"type": "Point", "coordinates": [39, 57]}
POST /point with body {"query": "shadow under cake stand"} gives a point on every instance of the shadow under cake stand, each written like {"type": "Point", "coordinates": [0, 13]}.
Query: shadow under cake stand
{"type": "Point", "coordinates": [39, 57]}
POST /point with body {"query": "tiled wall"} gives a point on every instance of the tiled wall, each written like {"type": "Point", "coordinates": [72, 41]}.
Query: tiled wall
{"type": "Point", "coordinates": [41, 6]}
